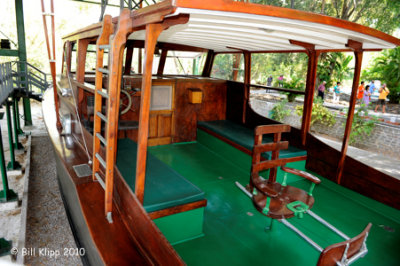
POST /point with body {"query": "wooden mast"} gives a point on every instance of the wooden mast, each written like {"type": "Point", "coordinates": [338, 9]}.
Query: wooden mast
{"type": "Point", "coordinates": [52, 56]}
{"type": "Point", "coordinates": [358, 52]}
{"type": "Point", "coordinates": [310, 87]}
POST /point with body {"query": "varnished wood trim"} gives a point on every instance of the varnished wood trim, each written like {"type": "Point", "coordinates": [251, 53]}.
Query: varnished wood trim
{"type": "Point", "coordinates": [277, 162]}
{"type": "Point", "coordinates": [277, 89]}
{"type": "Point", "coordinates": [271, 129]}
{"type": "Point", "coordinates": [178, 209]}
{"type": "Point", "coordinates": [352, 105]}
{"type": "Point", "coordinates": [230, 142]}
{"type": "Point", "coordinates": [84, 85]}
{"type": "Point", "coordinates": [159, 141]}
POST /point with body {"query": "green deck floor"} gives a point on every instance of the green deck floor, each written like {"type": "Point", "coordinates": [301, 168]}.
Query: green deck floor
{"type": "Point", "coordinates": [234, 230]}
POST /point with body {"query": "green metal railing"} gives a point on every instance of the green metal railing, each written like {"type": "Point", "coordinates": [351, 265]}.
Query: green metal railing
{"type": "Point", "coordinates": [30, 78]}
{"type": "Point", "coordinates": [6, 81]}
{"type": "Point", "coordinates": [17, 79]}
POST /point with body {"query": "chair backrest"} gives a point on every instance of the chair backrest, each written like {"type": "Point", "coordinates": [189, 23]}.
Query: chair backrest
{"type": "Point", "coordinates": [351, 249]}
{"type": "Point", "coordinates": [274, 146]}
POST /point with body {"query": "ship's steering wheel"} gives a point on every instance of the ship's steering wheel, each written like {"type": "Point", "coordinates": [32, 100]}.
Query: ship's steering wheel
{"type": "Point", "coordinates": [125, 102]}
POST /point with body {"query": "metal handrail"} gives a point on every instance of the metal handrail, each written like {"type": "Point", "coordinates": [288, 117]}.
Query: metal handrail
{"type": "Point", "coordinates": [23, 76]}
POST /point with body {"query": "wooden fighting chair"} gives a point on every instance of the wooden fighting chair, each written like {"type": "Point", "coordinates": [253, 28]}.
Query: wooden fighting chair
{"type": "Point", "coordinates": [270, 197]}
{"type": "Point", "coordinates": [281, 201]}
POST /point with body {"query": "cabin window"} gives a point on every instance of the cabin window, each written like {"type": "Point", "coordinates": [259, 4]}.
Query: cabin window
{"type": "Point", "coordinates": [161, 98]}
{"type": "Point", "coordinates": [134, 67]}
{"type": "Point", "coordinates": [229, 67]}
{"type": "Point", "coordinates": [65, 59]}
{"type": "Point", "coordinates": [266, 69]}
{"type": "Point", "coordinates": [184, 63]}
{"type": "Point", "coordinates": [90, 63]}
{"type": "Point", "coordinates": [73, 58]}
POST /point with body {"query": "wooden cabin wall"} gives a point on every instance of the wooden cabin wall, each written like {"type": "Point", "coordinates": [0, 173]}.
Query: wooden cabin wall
{"type": "Point", "coordinates": [357, 176]}
{"type": "Point", "coordinates": [187, 114]}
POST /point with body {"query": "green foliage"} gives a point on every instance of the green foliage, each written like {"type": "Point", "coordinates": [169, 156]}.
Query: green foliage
{"type": "Point", "coordinates": [223, 67]}
{"type": "Point", "coordinates": [361, 127]}
{"type": "Point", "coordinates": [279, 111]}
{"type": "Point", "coordinates": [319, 114]}
{"type": "Point", "coordinates": [333, 67]}
{"type": "Point", "coordinates": [383, 15]}
{"type": "Point", "coordinates": [386, 68]}
{"type": "Point", "coordinates": [288, 65]}
{"type": "Point", "coordinates": [295, 83]}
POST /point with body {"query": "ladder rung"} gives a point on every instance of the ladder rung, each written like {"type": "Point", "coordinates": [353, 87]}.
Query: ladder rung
{"type": "Point", "coordinates": [100, 180]}
{"type": "Point", "coordinates": [103, 163]}
{"type": "Point", "coordinates": [102, 93]}
{"type": "Point", "coordinates": [103, 117]}
{"type": "Point", "coordinates": [104, 46]}
{"type": "Point", "coordinates": [100, 137]}
{"type": "Point", "coordinates": [103, 70]}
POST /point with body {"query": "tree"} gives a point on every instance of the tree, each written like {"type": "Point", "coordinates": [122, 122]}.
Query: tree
{"type": "Point", "coordinates": [383, 15]}
{"type": "Point", "coordinates": [387, 68]}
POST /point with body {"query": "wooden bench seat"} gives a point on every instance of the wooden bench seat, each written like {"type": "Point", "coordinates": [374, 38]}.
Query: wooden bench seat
{"type": "Point", "coordinates": [242, 136]}
{"type": "Point", "coordinates": [164, 188]}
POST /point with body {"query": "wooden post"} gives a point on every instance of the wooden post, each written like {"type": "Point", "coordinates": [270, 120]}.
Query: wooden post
{"type": "Point", "coordinates": [80, 68]}
{"type": "Point", "coordinates": [116, 53]}
{"type": "Point", "coordinates": [161, 64]}
{"type": "Point", "coordinates": [128, 58]}
{"type": "Point", "coordinates": [247, 80]}
{"type": "Point", "coordinates": [310, 88]}
{"type": "Point", "coordinates": [358, 52]}
{"type": "Point", "coordinates": [152, 33]}
{"type": "Point", "coordinates": [208, 64]}
{"type": "Point", "coordinates": [236, 64]}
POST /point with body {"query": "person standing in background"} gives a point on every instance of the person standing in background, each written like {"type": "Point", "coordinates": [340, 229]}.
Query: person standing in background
{"type": "Point", "coordinates": [321, 90]}
{"type": "Point", "coordinates": [280, 81]}
{"type": "Point", "coordinates": [269, 81]}
{"type": "Point", "coordinates": [383, 93]}
{"type": "Point", "coordinates": [360, 92]}
{"type": "Point", "coordinates": [372, 87]}
{"type": "Point", "coordinates": [336, 92]}
{"type": "Point", "coordinates": [367, 95]}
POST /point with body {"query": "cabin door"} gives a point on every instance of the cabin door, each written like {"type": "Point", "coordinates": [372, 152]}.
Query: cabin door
{"type": "Point", "coordinates": [161, 114]}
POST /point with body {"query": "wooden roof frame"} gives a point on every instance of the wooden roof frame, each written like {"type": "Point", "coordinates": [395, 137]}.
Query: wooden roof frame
{"type": "Point", "coordinates": [157, 12]}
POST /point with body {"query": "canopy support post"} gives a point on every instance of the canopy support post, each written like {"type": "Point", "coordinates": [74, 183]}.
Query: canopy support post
{"type": "Point", "coordinates": [161, 64]}
{"type": "Point", "coordinates": [247, 80]}
{"type": "Point", "coordinates": [358, 53]}
{"type": "Point", "coordinates": [208, 64]}
{"type": "Point", "coordinates": [310, 87]}
{"type": "Point", "coordinates": [128, 58]}
{"type": "Point", "coordinates": [152, 33]}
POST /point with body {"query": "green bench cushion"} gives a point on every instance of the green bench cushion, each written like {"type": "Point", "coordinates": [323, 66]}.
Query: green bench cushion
{"type": "Point", "coordinates": [244, 137]}
{"type": "Point", "coordinates": [164, 188]}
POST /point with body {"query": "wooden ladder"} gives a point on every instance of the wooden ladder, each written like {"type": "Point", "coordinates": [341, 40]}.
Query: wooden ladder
{"type": "Point", "coordinates": [104, 43]}
{"type": "Point", "coordinates": [114, 43]}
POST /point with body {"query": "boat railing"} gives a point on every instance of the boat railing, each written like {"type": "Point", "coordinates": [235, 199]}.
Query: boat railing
{"type": "Point", "coordinates": [6, 81]}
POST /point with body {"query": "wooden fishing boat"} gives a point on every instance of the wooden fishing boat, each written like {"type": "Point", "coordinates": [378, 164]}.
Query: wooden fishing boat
{"type": "Point", "coordinates": [147, 162]}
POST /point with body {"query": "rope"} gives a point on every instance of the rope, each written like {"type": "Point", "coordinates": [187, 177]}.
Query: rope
{"type": "Point", "coordinates": [79, 119]}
